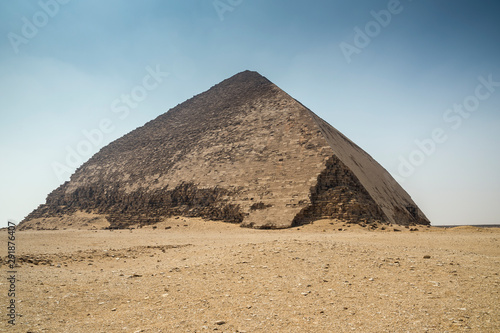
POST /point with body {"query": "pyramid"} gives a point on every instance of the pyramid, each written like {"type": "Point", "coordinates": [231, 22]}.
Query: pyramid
{"type": "Point", "coordinates": [243, 152]}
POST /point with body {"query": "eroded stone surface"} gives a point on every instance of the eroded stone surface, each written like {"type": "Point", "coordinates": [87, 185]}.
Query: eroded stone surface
{"type": "Point", "coordinates": [242, 152]}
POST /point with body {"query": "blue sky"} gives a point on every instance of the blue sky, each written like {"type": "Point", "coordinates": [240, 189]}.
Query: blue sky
{"type": "Point", "coordinates": [410, 67]}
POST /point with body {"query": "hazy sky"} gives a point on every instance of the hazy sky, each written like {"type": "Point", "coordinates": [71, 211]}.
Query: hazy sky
{"type": "Point", "coordinates": [414, 83]}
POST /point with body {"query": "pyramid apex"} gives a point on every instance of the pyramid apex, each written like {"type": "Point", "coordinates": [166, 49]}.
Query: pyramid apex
{"type": "Point", "coordinates": [247, 76]}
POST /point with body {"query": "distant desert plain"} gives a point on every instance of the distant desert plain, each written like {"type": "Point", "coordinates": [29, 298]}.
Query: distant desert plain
{"type": "Point", "coordinates": [192, 275]}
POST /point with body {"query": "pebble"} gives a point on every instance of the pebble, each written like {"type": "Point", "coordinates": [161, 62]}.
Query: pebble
{"type": "Point", "coordinates": [135, 276]}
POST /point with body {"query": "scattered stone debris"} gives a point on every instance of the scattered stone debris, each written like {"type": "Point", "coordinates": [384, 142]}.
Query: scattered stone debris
{"type": "Point", "coordinates": [88, 256]}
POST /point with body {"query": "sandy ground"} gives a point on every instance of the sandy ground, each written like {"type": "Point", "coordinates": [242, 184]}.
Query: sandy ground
{"type": "Point", "coordinates": [203, 276]}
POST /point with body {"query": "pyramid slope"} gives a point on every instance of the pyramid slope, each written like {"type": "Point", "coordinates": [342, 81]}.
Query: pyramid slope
{"type": "Point", "coordinates": [395, 203]}
{"type": "Point", "coordinates": [245, 152]}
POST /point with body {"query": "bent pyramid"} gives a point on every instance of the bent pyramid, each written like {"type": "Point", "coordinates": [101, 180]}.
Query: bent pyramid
{"type": "Point", "coordinates": [244, 152]}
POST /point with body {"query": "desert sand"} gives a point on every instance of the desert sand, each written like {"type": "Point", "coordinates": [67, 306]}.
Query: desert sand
{"type": "Point", "coordinates": [191, 275]}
